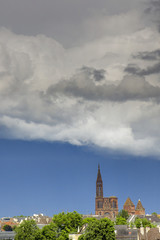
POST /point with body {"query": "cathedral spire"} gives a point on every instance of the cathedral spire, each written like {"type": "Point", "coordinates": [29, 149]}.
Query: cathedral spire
{"type": "Point", "coordinates": [99, 184]}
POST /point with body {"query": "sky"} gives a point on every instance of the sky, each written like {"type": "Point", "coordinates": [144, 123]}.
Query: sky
{"type": "Point", "coordinates": [79, 85]}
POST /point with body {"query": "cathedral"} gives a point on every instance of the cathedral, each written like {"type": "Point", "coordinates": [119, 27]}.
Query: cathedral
{"type": "Point", "coordinates": [105, 206]}
{"type": "Point", "coordinates": [108, 206]}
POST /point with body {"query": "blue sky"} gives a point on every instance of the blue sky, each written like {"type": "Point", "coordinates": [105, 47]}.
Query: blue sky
{"type": "Point", "coordinates": [79, 85]}
{"type": "Point", "coordinates": [53, 177]}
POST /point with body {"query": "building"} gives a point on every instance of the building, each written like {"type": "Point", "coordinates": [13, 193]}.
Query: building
{"type": "Point", "coordinates": [149, 233]}
{"type": "Point", "coordinates": [124, 233]}
{"type": "Point", "coordinates": [130, 208]}
{"type": "Point", "coordinates": [104, 206]}
{"type": "Point", "coordinates": [7, 235]}
{"type": "Point", "coordinates": [7, 221]}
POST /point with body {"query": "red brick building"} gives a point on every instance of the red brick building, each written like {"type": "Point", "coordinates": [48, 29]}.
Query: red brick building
{"type": "Point", "coordinates": [130, 207]}
{"type": "Point", "coordinates": [105, 206]}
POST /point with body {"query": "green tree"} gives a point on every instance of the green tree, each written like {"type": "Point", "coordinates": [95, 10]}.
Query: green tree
{"type": "Point", "coordinates": [67, 223]}
{"type": "Point", "coordinates": [99, 230]}
{"type": "Point", "coordinates": [20, 216]}
{"type": "Point", "coordinates": [144, 222]}
{"type": "Point", "coordinates": [62, 224]}
{"type": "Point", "coordinates": [123, 213]}
{"type": "Point", "coordinates": [81, 237]}
{"type": "Point", "coordinates": [138, 222]}
{"type": "Point", "coordinates": [88, 220]}
{"type": "Point", "coordinates": [50, 231]}
{"type": "Point", "coordinates": [154, 213]}
{"type": "Point", "coordinates": [7, 228]}
{"type": "Point", "coordinates": [121, 221]}
{"type": "Point", "coordinates": [131, 225]}
{"type": "Point", "coordinates": [28, 230]}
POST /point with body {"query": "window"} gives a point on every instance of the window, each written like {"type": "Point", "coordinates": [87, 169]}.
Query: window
{"type": "Point", "coordinates": [100, 204]}
{"type": "Point", "coordinates": [114, 204]}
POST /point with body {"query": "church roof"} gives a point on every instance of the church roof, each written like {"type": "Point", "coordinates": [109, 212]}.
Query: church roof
{"type": "Point", "coordinates": [128, 202]}
{"type": "Point", "coordinates": [139, 206]}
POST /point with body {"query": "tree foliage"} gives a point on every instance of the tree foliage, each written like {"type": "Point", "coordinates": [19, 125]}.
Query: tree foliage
{"type": "Point", "coordinates": [99, 230]}
{"type": "Point", "coordinates": [144, 222]}
{"type": "Point", "coordinates": [154, 213]}
{"type": "Point", "coordinates": [138, 222]}
{"type": "Point", "coordinates": [121, 221]}
{"type": "Point", "coordinates": [7, 228]}
{"type": "Point", "coordinates": [50, 231]}
{"type": "Point", "coordinates": [28, 230]}
{"type": "Point", "coordinates": [62, 225]}
{"type": "Point", "coordinates": [88, 220]}
{"type": "Point", "coordinates": [123, 213]}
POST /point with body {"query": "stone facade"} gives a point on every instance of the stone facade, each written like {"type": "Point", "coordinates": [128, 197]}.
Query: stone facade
{"type": "Point", "coordinates": [104, 206]}
{"type": "Point", "coordinates": [130, 208]}
{"type": "Point", "coordinates": [149, 234]}
{"type": "Point", "coordinates": [139, 209]}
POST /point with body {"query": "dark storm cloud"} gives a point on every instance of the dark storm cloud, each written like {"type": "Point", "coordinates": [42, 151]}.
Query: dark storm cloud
{"type": "Point", "coordinates": [134, 69]}
{"type": "Point", "coordinates": [83, 85]}
{"type": "Point", "coordinates": [42, 94]}
{"type": "Point", "coordinates": [64, 20]}
{"type": "Point", "coordinates": [96, 74]}
{"type": "Point", "coordinates": [153, 55]}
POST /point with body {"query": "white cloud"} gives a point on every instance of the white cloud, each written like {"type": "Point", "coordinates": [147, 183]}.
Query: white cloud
{"type": "Point", "coordinates": [81, 95]}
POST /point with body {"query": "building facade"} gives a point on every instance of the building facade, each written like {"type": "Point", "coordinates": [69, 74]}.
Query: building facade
{"type": "Point", "coordinates": [130, 208]}
{"type": "Point", "coordinates": [104, 206]}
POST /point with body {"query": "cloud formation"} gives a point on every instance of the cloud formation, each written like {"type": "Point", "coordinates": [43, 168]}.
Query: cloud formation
{"type": "Point", "coordinates": [103, 92]}
{"type": "Point", "coordinates": [149, 56]}
{"type": "Point", "coordinates": [134, 69]}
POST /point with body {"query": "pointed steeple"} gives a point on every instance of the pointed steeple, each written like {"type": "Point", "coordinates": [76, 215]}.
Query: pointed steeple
{"type": "Point", "coordinates": [129, 206]}
{"type": "Point", "coordinates": [140, 210]}
{"type": "Point", "coordinates": [139, 205]}
{"type": "Point", "coordinates": [128, 202]}
{"type": "Point", "coordinates": [99, 178]}
{"type": "Point", "coordinates": [99, 184]}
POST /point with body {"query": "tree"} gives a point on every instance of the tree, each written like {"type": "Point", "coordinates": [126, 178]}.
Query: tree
{"type": "Point", "coordinates": [138, 222]}
{"type": "Point", "coordinates": [144, 222]}
{"type": "Point", "coordinates": [67, 223]}
{"type": "Point", "coordinates": [121, 221]}
{"type": "Point", "coordinates": [19, 216]}
{"type": "Point", "coordinates": [123, 213]}
{"type": "Point", "coordinates": [7, 228]}
{"type": "Point", "coordinates": [50, 231]}
{"type": "Point", "coordinates": [131, 225]}
{"type": "Point", "coordinates": [28, 230]}
{"type": "Point", "coordinates": [154, 213]}
{"type": "Point", "coordinates": [99, 230]}
{"type": "Point", "coordinates": [62, 224]}
{"type": "Point", "coordinates": [88, 220]}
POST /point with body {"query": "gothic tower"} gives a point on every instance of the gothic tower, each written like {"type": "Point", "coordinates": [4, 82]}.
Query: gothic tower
{"type": "Point", "coordinates": [105, 206]}
{"type": "Point", "coordinates": [99, 184]}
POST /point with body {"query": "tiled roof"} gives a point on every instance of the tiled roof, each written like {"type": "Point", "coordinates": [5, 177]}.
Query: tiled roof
{"type": "Point", "coordinates": [139, 206]}
{"type": "Point", "coordinates": [40, 219]}
{"type": "Point", "coordinates": [153, 218]}
{"type": "Point", "coordinates": [128, 202]}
